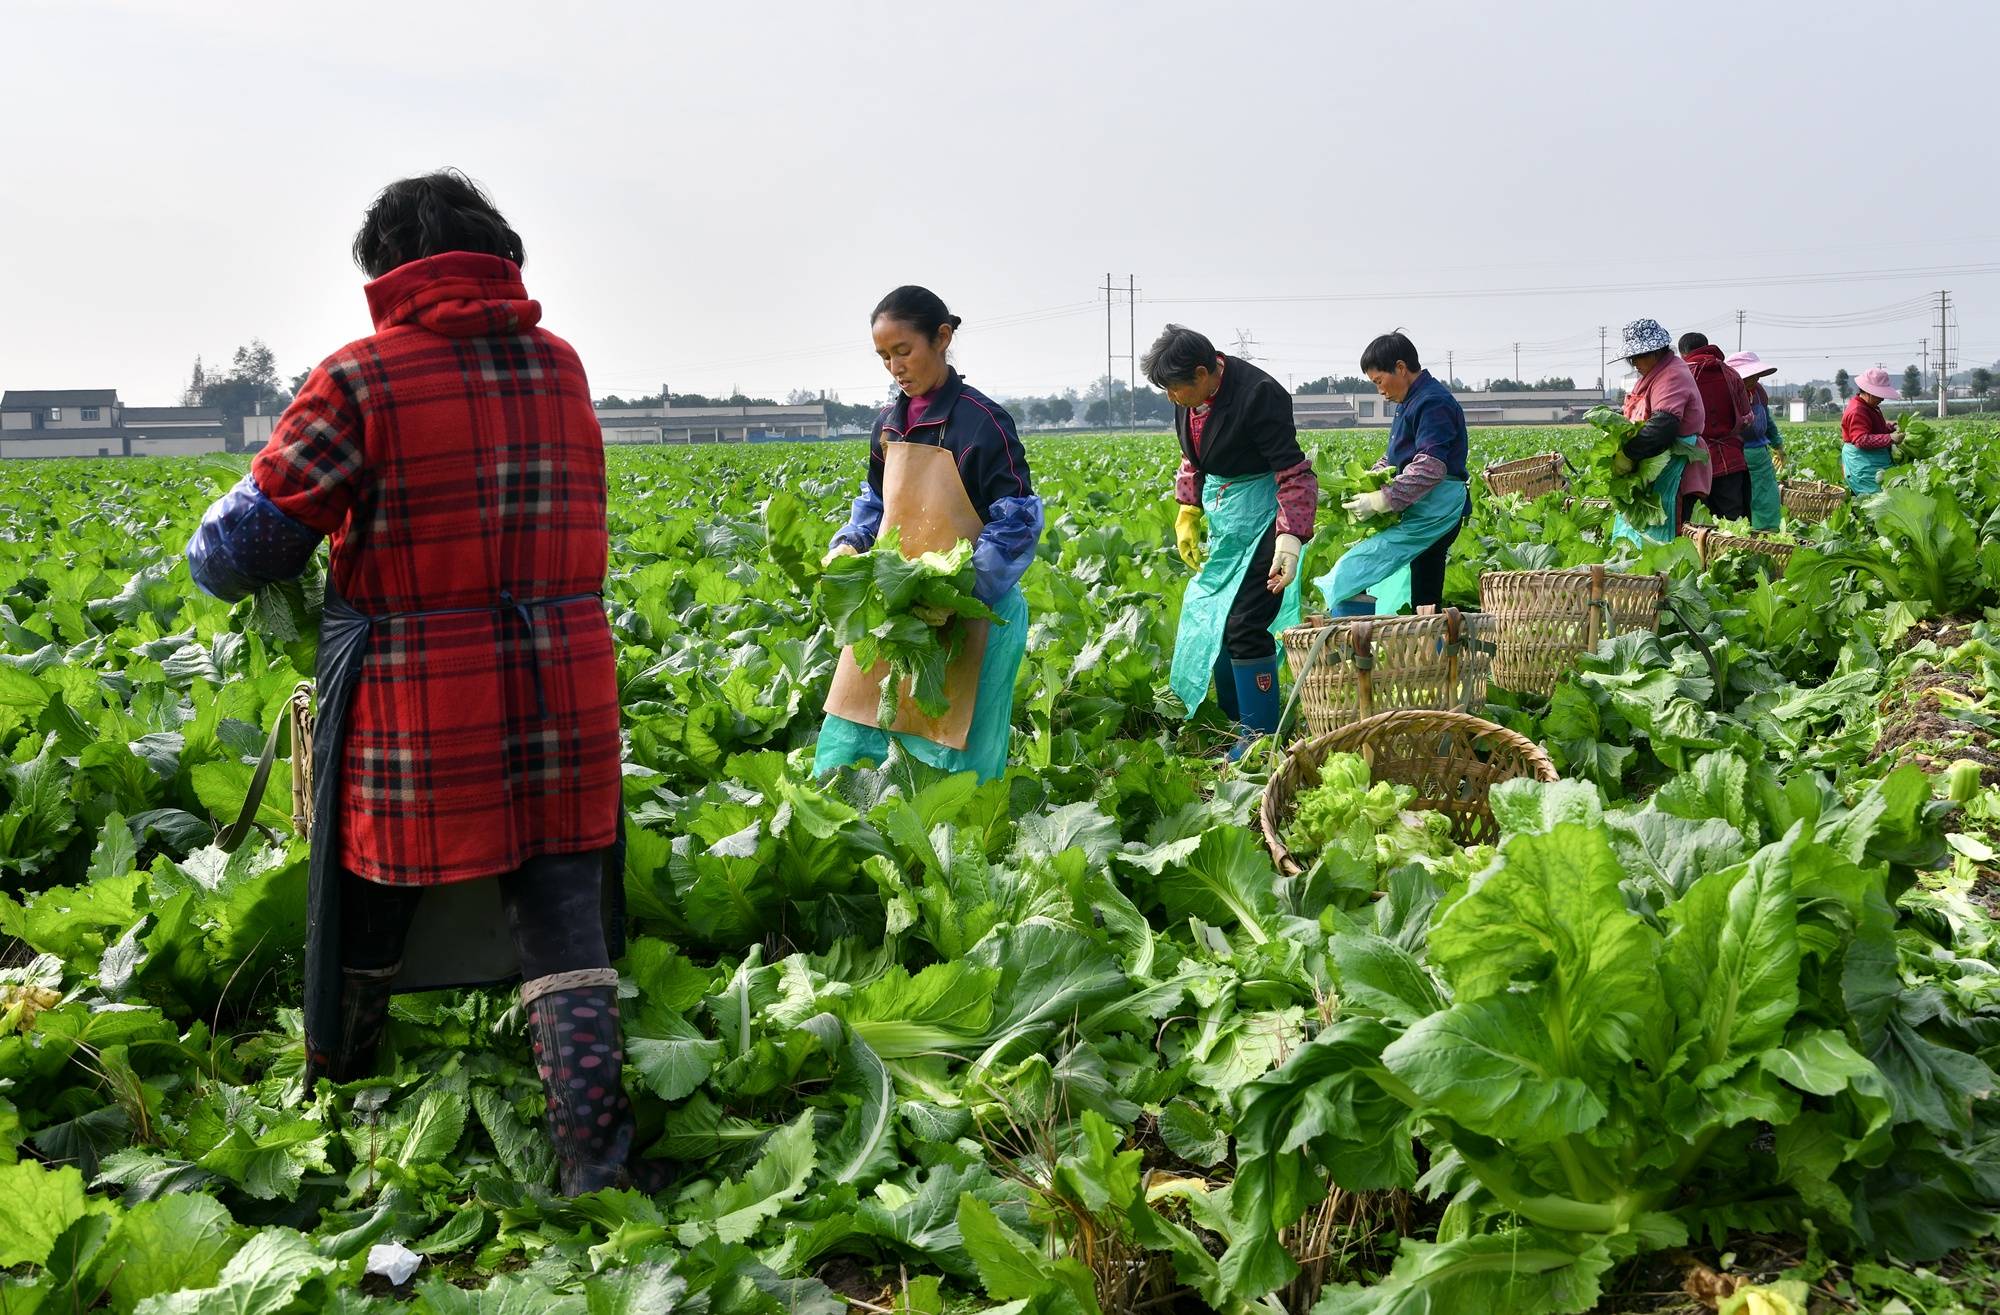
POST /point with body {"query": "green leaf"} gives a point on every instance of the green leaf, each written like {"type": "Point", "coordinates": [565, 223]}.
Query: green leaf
{"type": "Point", "coordinates": [865, 1147]}
{"type": "Point", "coordinates": [507, 1294]}
{"type": "Point", "coordinates": [523, 1148]}
{"type": "Point", "coordinates": [36, 1205]}
{"type": "Point", "coordinates": [435, 1131]}
{"type": "Point", "coordinates": [1226, 879]}
{"type": "Point", "coordinates": [1519, 1271]}
{"type": "Point", "coordinates": [1383, 978]}
{"type": "Point", "coordinates": [1011, 1268]}
{"type": "Point", "coordinates": [1192, 1133]}
{"type": "Point", "coordinates": [1552, 911]}
{"type": "Point", "coordinates": [736, 1210]}
{"type": "Point", "coordinates": [668, 1054]}
{"type": "Point", "coordinates": [1731, 969]}
{"type": "Point", "coordinates": [1491, 1066]}
{"type": "Point", "coordinates": [167, 1245]}
{"type": "Point", "coordinates": [262, 1279]}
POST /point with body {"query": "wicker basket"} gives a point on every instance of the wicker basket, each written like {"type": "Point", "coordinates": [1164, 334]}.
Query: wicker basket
{"type": "Point", "coordinates": [1711, 544]}
{"type": "Point", "coordinates": [1451, 759]}
{"type": "Point", "coordinates": [1809, 500]}
{"type": "Point", "coordinates": [1530, 477]}
{"type": "Point", "coordinates": [301, 711]}
{"type": "Point", "coordinates": [1347, 668]}
{"type": "Point", "coordinates": [1544, 620]}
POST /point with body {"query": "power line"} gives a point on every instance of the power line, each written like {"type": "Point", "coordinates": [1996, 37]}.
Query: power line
{"type": "Point", "coordinates": [1752, 281]}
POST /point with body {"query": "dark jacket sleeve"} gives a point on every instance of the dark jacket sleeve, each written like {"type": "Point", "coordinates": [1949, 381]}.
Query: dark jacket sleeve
{"type": "Point", "coordinates": [1269, 420]}
{"type": "Point", "coordinates": [1654, 437]}
{"type": "Point", "coordinates": [995, 464]}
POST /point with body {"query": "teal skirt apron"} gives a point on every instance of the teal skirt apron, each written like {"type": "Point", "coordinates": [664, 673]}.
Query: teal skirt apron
{"type": "Point", "coordinates": [1240, 512]}
{"type": "Point", "coordinates": [1767, 506]}
{"type": "Point", "coordinates": [842, 742]}
{"type": "Point", "coordinates": [1667, 488]}
{"type": "Point", "coordinates": [1380, 563]}
{"type": "Point", "coordinates": [1863, 467]}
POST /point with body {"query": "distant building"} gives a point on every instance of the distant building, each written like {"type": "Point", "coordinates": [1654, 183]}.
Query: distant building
{"type": "Point", "coordinates": [711, 424]}
{"type": "Point", "coordinates": [91, 422]}
{"type": "Point", "coordinates": [1542, 406]}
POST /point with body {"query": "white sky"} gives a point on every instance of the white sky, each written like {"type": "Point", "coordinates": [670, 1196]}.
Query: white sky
{"type": "Point", "coordinates": [715, 195]}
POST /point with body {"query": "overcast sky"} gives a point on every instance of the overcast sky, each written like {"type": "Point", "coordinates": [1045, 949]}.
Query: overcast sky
{"type": "Point", "coordinates": [715, 196]}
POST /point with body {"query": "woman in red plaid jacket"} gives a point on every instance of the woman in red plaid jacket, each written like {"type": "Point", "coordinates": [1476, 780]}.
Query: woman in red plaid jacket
{"type": "Point", "coordinates": [467, 691]}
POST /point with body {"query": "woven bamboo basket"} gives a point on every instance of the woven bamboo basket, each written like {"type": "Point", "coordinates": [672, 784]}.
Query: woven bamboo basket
{"type": "Point", "coordinates": [1544, 620]}
{"type": "Point", "coordinates": [1530, 477]}
{"type": "Point", "coordinates": [1347, 668]}
{"type": "Point", "coordinates": [1809, 500]}
{"type": "Point", "coordinates": [1711, 544]}
{"type": "Point", "coordinates": [301, 711]}
{"type": "Point", "coordinates": [1451, 759]}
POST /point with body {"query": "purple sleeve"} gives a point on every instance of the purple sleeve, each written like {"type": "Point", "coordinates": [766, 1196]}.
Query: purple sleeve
{"type": "Point", "coordinates": [1298, 500]}
{"type": "Point", "coordinates": [1419, 476]}
{"type": "Point", "coordinates": [245, 542]}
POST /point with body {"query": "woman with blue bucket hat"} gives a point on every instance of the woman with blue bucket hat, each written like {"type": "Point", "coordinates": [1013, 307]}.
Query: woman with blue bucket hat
{"type": "Point", "coordinates": [1243, 474]}
{"type": "Point", "coordinates": [1667, 404]}
{"type": "Point", "coordinates": [1427, 449]}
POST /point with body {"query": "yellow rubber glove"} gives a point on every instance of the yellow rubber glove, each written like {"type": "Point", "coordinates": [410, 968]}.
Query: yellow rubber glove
{"type": "Point", "coordinates": [1187, 535]}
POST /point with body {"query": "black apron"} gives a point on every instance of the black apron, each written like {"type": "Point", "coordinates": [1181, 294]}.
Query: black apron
{"type": "Point", "coordinates": [459, 936]}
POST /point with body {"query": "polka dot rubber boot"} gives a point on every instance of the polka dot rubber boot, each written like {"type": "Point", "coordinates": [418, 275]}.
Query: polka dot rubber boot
{"type": "Point", "coordinates": [579, 1054]}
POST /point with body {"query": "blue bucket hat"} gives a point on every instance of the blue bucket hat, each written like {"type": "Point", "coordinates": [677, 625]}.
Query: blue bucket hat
{"type": "Point", "coordinates": [1642, 336]}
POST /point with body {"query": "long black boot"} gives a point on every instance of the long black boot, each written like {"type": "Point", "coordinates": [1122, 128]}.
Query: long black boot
{"type": "Point", "coordinates": [364, 1013]}
{"type": "Point", "coordinates": [580, 1055]}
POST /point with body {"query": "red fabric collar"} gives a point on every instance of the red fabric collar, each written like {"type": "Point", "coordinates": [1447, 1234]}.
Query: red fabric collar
{"type": "Point", "coordinates": [460, 294]}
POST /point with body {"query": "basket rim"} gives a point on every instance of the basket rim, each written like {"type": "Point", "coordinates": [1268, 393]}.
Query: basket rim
{"type": "Point", "coordinates": [1523, 463]}
{"type": "Point", "coordinates": [1359, 732]}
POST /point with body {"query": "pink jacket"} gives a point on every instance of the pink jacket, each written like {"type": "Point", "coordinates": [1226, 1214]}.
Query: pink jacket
{"type": "Point", "coordinates": [1671, 387]}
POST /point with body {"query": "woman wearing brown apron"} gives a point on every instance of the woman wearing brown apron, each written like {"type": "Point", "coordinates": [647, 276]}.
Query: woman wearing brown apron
{"type": "Point", "coordinates": [944, 465]}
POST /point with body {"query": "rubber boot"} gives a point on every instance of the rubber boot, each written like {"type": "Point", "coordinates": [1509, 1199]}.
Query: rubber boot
{"type": "Point", "coordinates": [1257, 700]}
{"type": "Point", "coordinates": [580, 1055]}
{"type": "Point", "coordinates": [1359, 605]}
{"type": "Point", "coordinates": [364, 1013]}
{"type": "Point", "coordinates": [1225, 686]}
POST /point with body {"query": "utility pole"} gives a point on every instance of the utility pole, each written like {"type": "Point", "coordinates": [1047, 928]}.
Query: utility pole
{"type": "Point", "coordinates": [1603, 379]}
{"type": "Point", "coordinates": [1924, 354]}
{"type": "Point", "coordinates": [1450, 369]}
{"type": "Point", "coordinates": [1739, 330]}
{"type": "Point", "coordinates": [1132, 349]}
{"type": "Point", "coordinates": [1107, 349]}
{"type": "Point", "coordinates": [1944, 354]}
{"type": "Point", "coordinates": [1517, 362]}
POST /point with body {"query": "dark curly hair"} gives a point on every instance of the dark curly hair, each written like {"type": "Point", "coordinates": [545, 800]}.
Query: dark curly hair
{"type": "Point", "coordinates": [426, 216]}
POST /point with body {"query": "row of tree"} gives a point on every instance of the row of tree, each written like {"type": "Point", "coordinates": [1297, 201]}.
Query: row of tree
{"type": "Point", "coordinates": [1350, 383]}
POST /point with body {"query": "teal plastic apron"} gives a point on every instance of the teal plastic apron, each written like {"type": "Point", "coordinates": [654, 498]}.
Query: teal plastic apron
{"type": "Point", "coordinates": [1380, 563]}
{"type": "Point", "coordinates": [1667, 488]}
{"type": "Point", "coordinates": [1240, 512]}
{"type": "Point", "coordinates": [1767, 506]}
{"type": "Point", "coordinates": [1863, 467]}
{"type": "Point", "coordinates": [842, 742]}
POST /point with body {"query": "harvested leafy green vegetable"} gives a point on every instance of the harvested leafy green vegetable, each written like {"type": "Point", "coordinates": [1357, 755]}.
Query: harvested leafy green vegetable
{"type": "Point", "coordinates": [1632, 493]}
{"type": "Point", "coordinates": [871, 599]}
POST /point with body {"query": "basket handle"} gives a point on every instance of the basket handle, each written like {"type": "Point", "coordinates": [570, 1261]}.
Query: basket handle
{"type": "Point", "coordinates": [1299, 683]}
{"type": "Point", "coordinates": [1707, 654]}
{"type": "Point", "coordinates": [1454, 643]}
{"type": "Point", "coordinates": [1364, 667]}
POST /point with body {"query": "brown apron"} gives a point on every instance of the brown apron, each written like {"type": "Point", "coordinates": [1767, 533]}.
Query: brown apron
{"type": "Point", "coordinates": [924, 499]}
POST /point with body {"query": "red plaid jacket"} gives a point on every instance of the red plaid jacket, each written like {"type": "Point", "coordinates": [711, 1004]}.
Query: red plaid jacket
{"type": "Point", "coordinates": [454, 457]}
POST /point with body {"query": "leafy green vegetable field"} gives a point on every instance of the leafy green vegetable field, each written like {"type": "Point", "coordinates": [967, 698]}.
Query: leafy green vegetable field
{"type": "Point", "coordinates": [1724, 998]}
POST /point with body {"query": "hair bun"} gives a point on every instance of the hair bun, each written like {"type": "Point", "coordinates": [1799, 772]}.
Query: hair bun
{"type": "Point", "coordinates": [954, 320]}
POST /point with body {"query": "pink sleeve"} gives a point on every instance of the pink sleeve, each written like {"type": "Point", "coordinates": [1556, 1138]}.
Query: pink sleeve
{"type": "Point", "coordinates": [1187, 485]}
{"type": "Point", "coordinates": [1298, 500]}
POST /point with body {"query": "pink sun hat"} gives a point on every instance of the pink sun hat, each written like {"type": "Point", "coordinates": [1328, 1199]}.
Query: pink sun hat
{"type": "Point", "coordinates": [1876, 382]}
{"type": "Point", "coordinates": [1749, 366]}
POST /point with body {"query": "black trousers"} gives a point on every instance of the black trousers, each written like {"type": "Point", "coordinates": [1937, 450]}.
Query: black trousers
{"type": "Point", "coordinates": [553, 905]}
{"type": "Point", "coordinates": [1427, 571]}
{"type": "Point", "coordinates": [1246, 636]}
